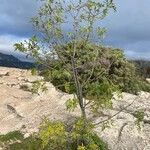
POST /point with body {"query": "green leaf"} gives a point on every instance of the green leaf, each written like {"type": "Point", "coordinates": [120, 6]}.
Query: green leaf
{"type": "Point", "coordinates": [71, 104]}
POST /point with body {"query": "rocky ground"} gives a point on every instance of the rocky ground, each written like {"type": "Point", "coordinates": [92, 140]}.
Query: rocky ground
{"type": "Point", "coordinates": [22, 110]}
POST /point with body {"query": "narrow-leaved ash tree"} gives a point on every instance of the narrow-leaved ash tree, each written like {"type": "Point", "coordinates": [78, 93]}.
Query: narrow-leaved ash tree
{"type": "Point", "coordinates": [66, 30]}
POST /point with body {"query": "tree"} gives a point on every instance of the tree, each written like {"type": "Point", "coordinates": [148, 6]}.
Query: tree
{"type": "Point", "coordinates": [67, 47]}
{"type": "Point", "coordinates": [69, 52]}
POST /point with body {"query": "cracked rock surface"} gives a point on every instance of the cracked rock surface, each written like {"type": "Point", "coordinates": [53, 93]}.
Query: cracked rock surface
{"type": "Point", "coordinates": [22, 110]}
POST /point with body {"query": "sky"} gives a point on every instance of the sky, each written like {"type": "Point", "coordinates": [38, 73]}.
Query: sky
{"type": "Point", "coordinates": [128, 28]}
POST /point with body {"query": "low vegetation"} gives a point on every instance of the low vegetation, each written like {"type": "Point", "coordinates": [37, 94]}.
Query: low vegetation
{"type": "Point", "coordinates": [110, 67]}
{"type": "Point", "coordinates": [15, 135]}
{"type": "Point", "coordinates": [56, 136]}
{"type": "Point", "coordinates": [15, 141]}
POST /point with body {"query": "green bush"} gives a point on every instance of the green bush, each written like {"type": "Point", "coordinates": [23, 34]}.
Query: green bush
{"type": "Point", "coordinates": [15, 141]}
{"type": "Point", "coordinates": [112, 71]}
{"type": "Point", "coordinates": [57, 136]}
{"type": "Point", "coordinates": [15, 135]}
{"type": "Point", "coordinates": [31, 143]}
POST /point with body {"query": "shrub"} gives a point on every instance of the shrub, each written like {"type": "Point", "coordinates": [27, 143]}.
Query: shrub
{"type": "Point", "coordinates": [112, 71]}
{"type": "Point", "coordinates": [57, 136]}
{"type": "Point", "coordinates": [15, 135]}
{"type": "Point", "coordinates": [30, 143]}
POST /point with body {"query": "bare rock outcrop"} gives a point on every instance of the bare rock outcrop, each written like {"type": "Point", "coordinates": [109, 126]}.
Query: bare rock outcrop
{"type": "Point", "coordinates": [22, 110]}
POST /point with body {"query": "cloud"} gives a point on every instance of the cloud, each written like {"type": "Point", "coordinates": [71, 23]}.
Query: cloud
{"type": "Point", "coordinates": [128, 28]}
{"type": "Point", "coordinates": [6, 46]}
{"type": "Point", "coordinates": [7, 41]}
{"type": "Point", "coordinates": [15, 17]}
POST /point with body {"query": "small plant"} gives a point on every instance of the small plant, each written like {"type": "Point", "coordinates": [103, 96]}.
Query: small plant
{"type": "Point", "coordinates": [34, 71]}
{"type": "Point", "coordinates": [77, 136]}
{"type": "Point", "coordinates": [15, 135]}
{"type": "Point", "coordinates": [140, 116]}
{"type": "Point", "coordinates": [30, 143]}
{"type": "Point", "coordinates": [15, 141]}
{"type": "Point", "coordinates": [38, 85]}
{"type": "Point", "coordinates": [71, 104]}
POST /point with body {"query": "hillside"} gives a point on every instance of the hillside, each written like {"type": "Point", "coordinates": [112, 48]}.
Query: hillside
{"type": "Point", "coordinates": [11, 61]}
{"type": "Point", "coordinates": [22, 110]}
{"type": "Point", "coordinates": [143, 67]}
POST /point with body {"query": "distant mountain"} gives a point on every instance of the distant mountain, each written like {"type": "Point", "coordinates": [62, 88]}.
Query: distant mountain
{"type": "Point", "coordinates": [11, 61]}
{"type": "Point", "coordinates": [144, 67]}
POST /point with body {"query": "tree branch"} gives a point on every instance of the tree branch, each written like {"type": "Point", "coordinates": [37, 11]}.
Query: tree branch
{"type": "Point", "coordinates": [109, 118]}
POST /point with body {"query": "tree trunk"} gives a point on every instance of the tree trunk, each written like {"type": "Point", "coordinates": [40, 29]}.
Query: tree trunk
{"type": "Point", "coordinates": [78, 89]}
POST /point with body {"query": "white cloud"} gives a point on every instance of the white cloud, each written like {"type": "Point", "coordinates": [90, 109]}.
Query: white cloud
{"type": "Point", "coordinates": [6, 46]}
{"type": "Point", "coordinates": [7, 41]}
{"type": "Point", "coordinates": [128, 28]}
